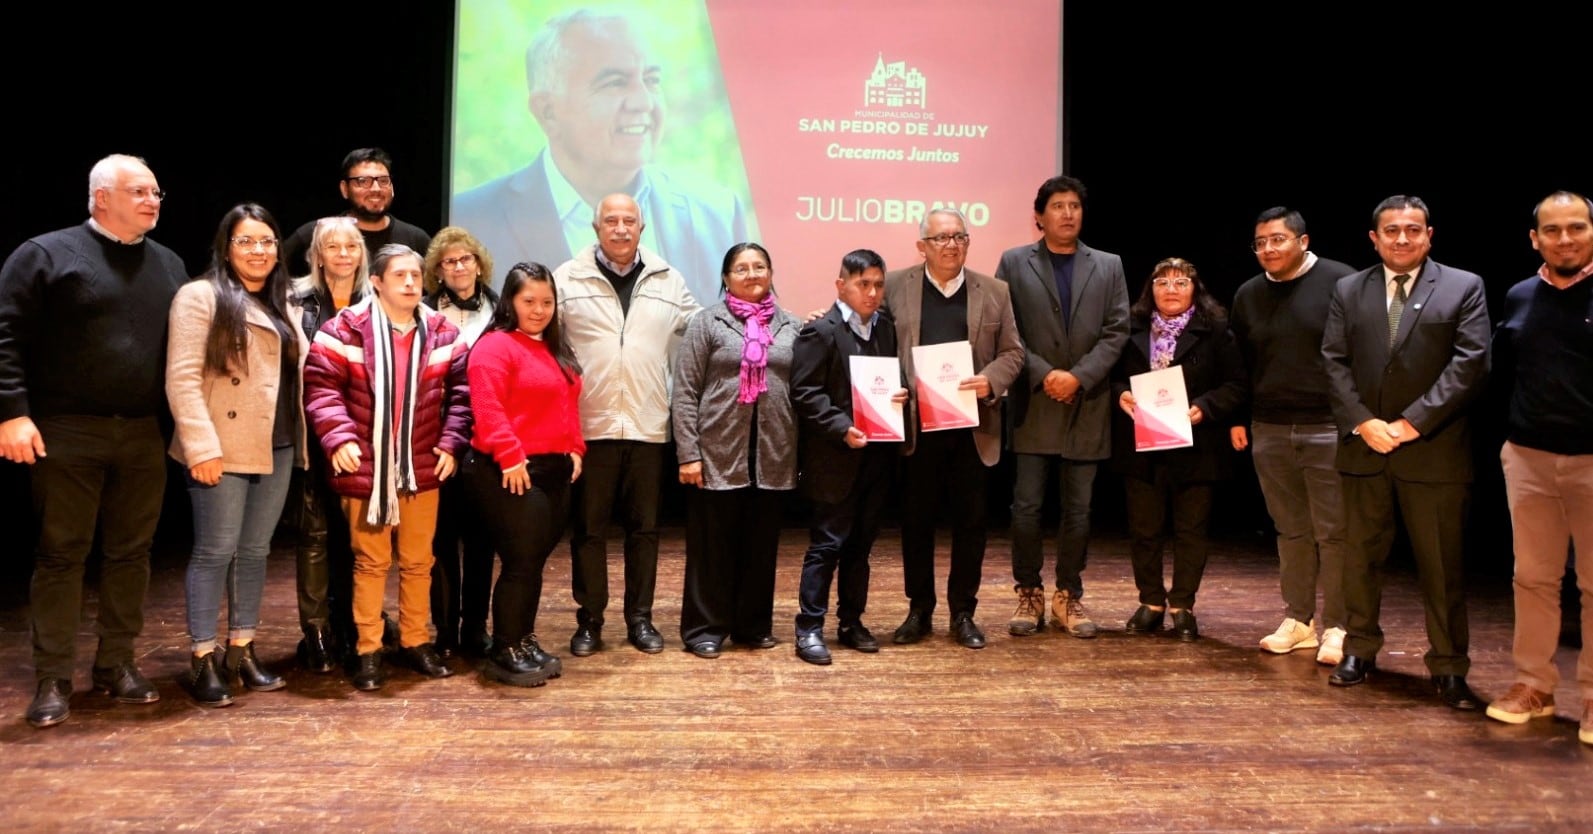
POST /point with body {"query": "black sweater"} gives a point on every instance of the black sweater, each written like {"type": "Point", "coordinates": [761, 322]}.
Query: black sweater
{"type": "Point", "coordinates": [83, 325]}
{"type": "Point", "coordinates": [1279, 328]}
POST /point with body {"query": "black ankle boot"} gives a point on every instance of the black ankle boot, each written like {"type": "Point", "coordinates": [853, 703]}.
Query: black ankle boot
{"type": "Point", "coordinates": [204, 681]}
{"type": "Point", "coordinates": [244, 669]}
{"type": "Point", "coordinates": [317, 651]}
{"type": "Point", "coordinates": [474, 641]}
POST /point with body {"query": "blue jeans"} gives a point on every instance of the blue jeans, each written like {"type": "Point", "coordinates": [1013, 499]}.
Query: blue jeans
{"type": "Point", "coordinates": [1304, 495]}
{"type": "Point", "coordinates": [1077, 482]}
{"type": "Point", "coordinates": [233, 523]}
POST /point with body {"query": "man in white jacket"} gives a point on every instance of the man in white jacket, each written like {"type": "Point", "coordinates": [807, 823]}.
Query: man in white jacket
{"type": "Point", "coordinates": [624, 311]}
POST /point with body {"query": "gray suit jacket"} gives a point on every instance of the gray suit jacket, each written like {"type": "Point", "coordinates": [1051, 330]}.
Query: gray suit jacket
{"type": "Point", "coordinates": [514, 217]}
{"type": "Point", "coordinates": [1436, 365]}
{"type": "Point", "coordinates": [1088, 347]}
{"type": "Point", "coordinates": [997, 348]}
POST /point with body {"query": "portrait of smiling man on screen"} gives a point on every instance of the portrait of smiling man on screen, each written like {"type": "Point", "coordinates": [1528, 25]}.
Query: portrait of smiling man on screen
{"type": "Point", "coordinates": [595, 87]}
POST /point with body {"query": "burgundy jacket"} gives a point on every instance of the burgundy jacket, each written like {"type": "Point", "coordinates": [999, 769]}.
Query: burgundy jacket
{"type": "Point", "coordinates": [339, 402]}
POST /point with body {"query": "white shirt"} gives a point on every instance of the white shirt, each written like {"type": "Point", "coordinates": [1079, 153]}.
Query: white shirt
{"type": "Point", "coordinates": [951, 287]}
{"type": "Point", "coordinates": [1389, 284]}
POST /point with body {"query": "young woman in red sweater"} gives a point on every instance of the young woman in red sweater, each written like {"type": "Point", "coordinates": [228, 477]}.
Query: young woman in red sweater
{"type": "Point", "coordinates": [526, 450]}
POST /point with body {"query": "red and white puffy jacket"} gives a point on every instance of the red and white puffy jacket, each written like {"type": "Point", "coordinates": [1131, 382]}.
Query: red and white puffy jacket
{"type": "Point", "coordinates": [339, 402]}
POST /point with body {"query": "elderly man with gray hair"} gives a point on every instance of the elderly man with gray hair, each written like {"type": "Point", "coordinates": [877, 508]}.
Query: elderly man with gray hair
{"type": "Point", "coordinates": [596, 90]}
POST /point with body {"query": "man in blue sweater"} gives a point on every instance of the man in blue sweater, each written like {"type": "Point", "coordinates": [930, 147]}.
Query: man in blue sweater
{"type": "Point", "coordinates": [82, 369]}
{"type": "Point", "coordinates": [1544, 348]}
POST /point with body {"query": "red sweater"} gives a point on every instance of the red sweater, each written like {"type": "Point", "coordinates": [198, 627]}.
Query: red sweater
{"type": "Point", "coordinates": [523, 405]}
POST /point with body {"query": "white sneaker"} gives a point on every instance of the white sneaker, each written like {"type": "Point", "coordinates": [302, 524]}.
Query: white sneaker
{"type": "Point", "coordinates": [1332, 650]}
{"type": "Point", "coordinates": [1291, 635]}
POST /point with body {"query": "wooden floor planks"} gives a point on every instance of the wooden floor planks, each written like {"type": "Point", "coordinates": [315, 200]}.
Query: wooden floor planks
{"type": "Point", "coordinates": [1047, 733]}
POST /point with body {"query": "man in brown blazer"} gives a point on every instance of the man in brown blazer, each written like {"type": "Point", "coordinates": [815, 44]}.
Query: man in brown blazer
{"type": "Point", "coordinates": [933, 303]}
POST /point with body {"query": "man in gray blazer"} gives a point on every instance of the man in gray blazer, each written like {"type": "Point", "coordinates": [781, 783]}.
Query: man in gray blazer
{"type": "Point", "coordinates": [1406, 350]}
{"type": "Point", "coordinates": [594, 90]}
{"type": "Point", "coordinates": [937, 302]}
{"type": "Point", "coordinates": [1071, 307]}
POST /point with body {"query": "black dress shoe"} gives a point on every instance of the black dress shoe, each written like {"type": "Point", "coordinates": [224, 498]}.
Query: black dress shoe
{"type": "Point", "coordinates": [1454, 692]}
{"type": "Point", "coordinates": [766, 641]}
{"type": "Point", "coordinates": [913, 629]}
{"type": "Point", "coordinates": [967, 633]}
{"type": "Point", "coordinates": [1146, 620]}
{"type": "Point", "coordinates": [644, 637]}
{"type": "Point", "coordinates": [125, 684]}
{"type": "Point", "coordinates": [244, 669]}
{"type": "Point", "coordinates": [368, 675]}
{"type": "Point", "coordinates": [810, 647]}
{"type": "Point", "coordinates": [542, 659]}
{"type": "Point", "coordinates": [52, 704]}
{"type": "Point", "coordinates": [424, 659]}
{"type": "Point", "coordinates": [316, 651]}
{"type": "Point", "coordinates": [1185, 627]}
{"type": "Point", "coordinates": [205, 681]}
{"type": "Point", "coordinates": [586, 640]}
{"type": "Point", "coordinates": [857, 638]}
{"type": "Point", "coordinates": [1352, 670]}
{"type": "Point", "coordinates": [706, 648]}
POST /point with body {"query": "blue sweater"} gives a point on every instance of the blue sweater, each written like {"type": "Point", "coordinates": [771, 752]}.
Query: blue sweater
{"type": "Point", "coordinates": [1544, 344]}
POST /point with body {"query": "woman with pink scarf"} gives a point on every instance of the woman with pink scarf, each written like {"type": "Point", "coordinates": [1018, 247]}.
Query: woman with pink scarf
{"type": "Point", "coordinates": [736, 439]}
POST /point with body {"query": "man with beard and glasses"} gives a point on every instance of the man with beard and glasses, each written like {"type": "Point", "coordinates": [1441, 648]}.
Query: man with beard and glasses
{"type": "Point", "coordinates": [367, 185]}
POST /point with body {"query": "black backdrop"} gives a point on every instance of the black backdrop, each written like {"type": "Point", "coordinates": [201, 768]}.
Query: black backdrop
{"type": "Point", "coordinates": [1184, 124]}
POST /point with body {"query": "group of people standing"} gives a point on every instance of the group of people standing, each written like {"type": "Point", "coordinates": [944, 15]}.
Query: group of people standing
{"type": "Point", "coordinates": [434, 421]}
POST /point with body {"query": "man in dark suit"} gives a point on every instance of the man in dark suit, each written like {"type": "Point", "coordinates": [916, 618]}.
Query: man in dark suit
{"type": "Point", "coordinates": [1071, 306]}
{"type": "Point", "coordinates": [1406, 349]}
{"type": "Point", "coordinates": [938, 302]}
{"type": "Point", "coordinates": [844, 475]}
{"type": "Point", "coordinates": [595, 93]}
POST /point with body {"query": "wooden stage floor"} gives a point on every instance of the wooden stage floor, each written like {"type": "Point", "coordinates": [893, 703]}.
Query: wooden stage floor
{"type": "Point", "coordinates": [1045, 733]}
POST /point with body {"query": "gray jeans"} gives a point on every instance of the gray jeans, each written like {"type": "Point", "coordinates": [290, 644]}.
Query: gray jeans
{"type": "Point", "coordinates": [1294, 464]}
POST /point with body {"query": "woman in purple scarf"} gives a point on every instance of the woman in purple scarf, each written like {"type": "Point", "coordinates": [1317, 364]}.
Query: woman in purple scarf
{"type": "Point", "coordinates": [1175, 323]}
{"type": "Point", "coordinates": [735, 438]}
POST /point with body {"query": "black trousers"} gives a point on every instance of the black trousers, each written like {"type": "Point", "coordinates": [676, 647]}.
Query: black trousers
{"type": "Point", "coordinates": [524, 529]}
{"type": "Point", "coordinates": [625, 472]}
{"type": "Point", "coordinates": [324, 558]}
{"type": "Point", "coordinates": [840, 538]}
{"type": "Point", "coordinates": [1148, 502]}
{"type": "Point", "coordinates": [944, 467]}
{"type": "Point", "coordinates": [108, 470]}
{"type": "Point", "coordinates": [461, 573]}
{"type": "Point", "coordinates": [732, 539]}
{"type": "Point", "coordinates": [1434, 515]}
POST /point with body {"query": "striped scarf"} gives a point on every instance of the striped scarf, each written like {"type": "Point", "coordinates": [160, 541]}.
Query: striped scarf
{"type": "Point", "coordinates": [392, 447]}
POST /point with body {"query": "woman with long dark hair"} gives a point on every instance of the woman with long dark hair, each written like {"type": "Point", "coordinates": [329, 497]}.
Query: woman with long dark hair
{"type": "Point", "coordinates": [1175, 323]}
{"type": "Point", "coordinates": [235, 361]}
{"type": "Point", "coordinates": [736, 438]}
{"type": "Point", "coordinates": [526, 450]}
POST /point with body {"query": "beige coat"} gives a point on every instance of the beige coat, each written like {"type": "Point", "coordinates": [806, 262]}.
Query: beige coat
{"type": "Point", "coordinates": [227, 416]}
